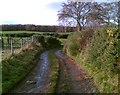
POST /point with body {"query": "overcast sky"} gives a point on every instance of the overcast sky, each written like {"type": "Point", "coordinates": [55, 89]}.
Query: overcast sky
{"type": "Point", "coordinates": [39, 12]}
{"type": "Point", "coordinates": [43, 12]}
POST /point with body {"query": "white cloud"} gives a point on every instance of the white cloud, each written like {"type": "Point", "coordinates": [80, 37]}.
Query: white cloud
{"type": "Point", "coordinates": [27, 12]}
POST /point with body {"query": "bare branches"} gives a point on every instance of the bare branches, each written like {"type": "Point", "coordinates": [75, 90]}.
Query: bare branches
{"type": "Point", "coordinates": [85, 13]}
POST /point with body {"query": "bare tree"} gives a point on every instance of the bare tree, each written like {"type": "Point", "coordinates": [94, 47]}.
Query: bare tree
{"type": "Point", "coordinates": [76, 11]}
{"type": "Point", "coordinates": [119, 13]}
{"type": "Point", "coordinates": [103, 13]}
{"type": "Point", "coordinates": [66, 22]}
{"type": "Point", "coordinates": [89, 14]}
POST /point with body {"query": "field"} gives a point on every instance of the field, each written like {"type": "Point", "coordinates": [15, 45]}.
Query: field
{"type": "Point", "coordinates": [13, 43]}
{"type": "Point", "coordinates": [22, 39]}
{"type": "Point", "coordinates": [13, 32]}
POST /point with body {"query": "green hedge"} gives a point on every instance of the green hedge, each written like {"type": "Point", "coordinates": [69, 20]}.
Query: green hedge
{"type": "Point", "coordinates": [49, 42]}
{"type": "Point", "coordinates": [100, 57]}
{"type": "Point", "coordinates": [17, 34]}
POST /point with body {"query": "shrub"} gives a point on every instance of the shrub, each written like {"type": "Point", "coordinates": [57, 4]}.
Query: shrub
{"type": "Point", "coordinates": [41, 40]}
{"type": "Point", "coordinates": [73, 48]}
{"type": "Point", "coordinates": [49, 42]}
{"type": "Point", "coordinates": [52, 42]}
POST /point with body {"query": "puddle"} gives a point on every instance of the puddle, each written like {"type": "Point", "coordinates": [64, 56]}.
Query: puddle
{"type": "Point", "coordinates": [59, 54]}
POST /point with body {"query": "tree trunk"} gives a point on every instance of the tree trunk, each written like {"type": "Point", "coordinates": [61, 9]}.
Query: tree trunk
{"type": "Point", "coordinates": [65, 28]}
{"type": "Point", "coordinates": [79, 28]}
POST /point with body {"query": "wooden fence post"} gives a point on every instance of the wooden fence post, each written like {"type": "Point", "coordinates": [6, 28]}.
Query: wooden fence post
{"type": "Point", "coordinates": [21, 43]}
{"type": "Point", "coordinates": [2, 43]}
{"type": "Point", "coordinates": [27, 43]}
{"type": "Point", "coordinates": [35, 39]}
{"type": "Point", "coordinates": [11, 46]}
{"type": "Point", "coordinates": [32, 39]}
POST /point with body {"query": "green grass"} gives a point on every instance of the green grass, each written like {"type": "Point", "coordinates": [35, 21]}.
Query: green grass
{"type": "Point", "coordinates": [6, 32]}
{"type": "Point", "coordinates": [0, 77]}
{"type": "Point", "coordinates": [15, 68]}
{"type": "Point", "coordinates": [62, 41]}
{"type": "Point", "coordinates": [12, 32]}
{"type": "Point", "coordinates": [6, 49]}
{"type": "Point", "coordinates": [54, 71]}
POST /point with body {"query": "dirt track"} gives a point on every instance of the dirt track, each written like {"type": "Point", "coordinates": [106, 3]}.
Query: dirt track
{"type": "Point", "coordinates": [71, 79]}
{"type": "Point", "coordinates": [77, 80]}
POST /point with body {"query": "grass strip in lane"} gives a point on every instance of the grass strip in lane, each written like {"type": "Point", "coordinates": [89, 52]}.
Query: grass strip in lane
{"type": "Point", "coordinates": [54, 71]}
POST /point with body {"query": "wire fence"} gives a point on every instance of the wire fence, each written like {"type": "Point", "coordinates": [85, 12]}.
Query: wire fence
{"type": "Point", "coordinates": [14, 45]}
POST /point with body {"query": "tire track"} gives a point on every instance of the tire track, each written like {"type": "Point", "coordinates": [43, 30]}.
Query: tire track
{"type": "Point", "coordinates": [79, 81]}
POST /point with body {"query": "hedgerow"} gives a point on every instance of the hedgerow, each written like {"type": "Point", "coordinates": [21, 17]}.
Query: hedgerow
{"type": "Point", "coordinates": [99, 55]}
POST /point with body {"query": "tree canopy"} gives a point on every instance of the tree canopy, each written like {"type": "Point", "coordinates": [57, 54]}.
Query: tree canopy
{"type": "Point", "coordinates": [88, 13]}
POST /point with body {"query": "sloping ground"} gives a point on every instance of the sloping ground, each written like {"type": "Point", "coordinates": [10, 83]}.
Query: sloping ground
{"type": "Point", "coordinates": [18, 66]}
{"type": "Point", "coordinates": [79, 81]}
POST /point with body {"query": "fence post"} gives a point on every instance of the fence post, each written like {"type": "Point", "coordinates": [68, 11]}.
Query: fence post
{"type": "Point", "coordinates": [27, 43]}
{"type": "Point", "coordinates": [11, 46]}
{"type": "Point", "coordinates": [32, 39]}
{"type": "Point", "coordinates": [2, 43]}
{"type": "Point", "coordinates": [35, 39]}
{"type": "Point", "coordinates": [21, 43]}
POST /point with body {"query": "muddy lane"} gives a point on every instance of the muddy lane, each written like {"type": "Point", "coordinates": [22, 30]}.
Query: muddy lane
{"type": "Point", "coordinates": [78, 79]}
{"type": "Point", "coordinates": [38, 79]}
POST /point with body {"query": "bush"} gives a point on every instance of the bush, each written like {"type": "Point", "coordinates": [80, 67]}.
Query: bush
{"type": "Point", "coordinates": [73, 49]}
{"type": "Point", "coordinates": [49, 42]}
{"type": "Point", "coordinates": [64, 36]}
{"type": "Point", "coordinates": [41, 40]}
{"type": "Point", "coordinates": [103, 50]}
{"type": "Point", "coordinates": [18, 34]}
{"type": "Point", "coordinates": [72, 44]}
{"type": "Point", "coordinates": [52, 43]}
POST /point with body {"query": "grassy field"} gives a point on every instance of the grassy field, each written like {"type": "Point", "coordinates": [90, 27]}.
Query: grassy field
{"type": "Point", "coordinates": [17, 43]}
{"type": "Point", "coordinates": [6, 32]}
{"type": "Point", "coordinates": [6, 49]}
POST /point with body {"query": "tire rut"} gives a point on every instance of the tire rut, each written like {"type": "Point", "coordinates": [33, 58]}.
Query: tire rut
{"type": "Point", "coordinates": [63, 85]}
{"type": "Point", "coordinates": [79, 81]}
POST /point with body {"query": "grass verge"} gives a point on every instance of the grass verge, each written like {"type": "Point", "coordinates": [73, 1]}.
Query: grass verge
{"type": "Point", "coordinates": [18, 66]}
